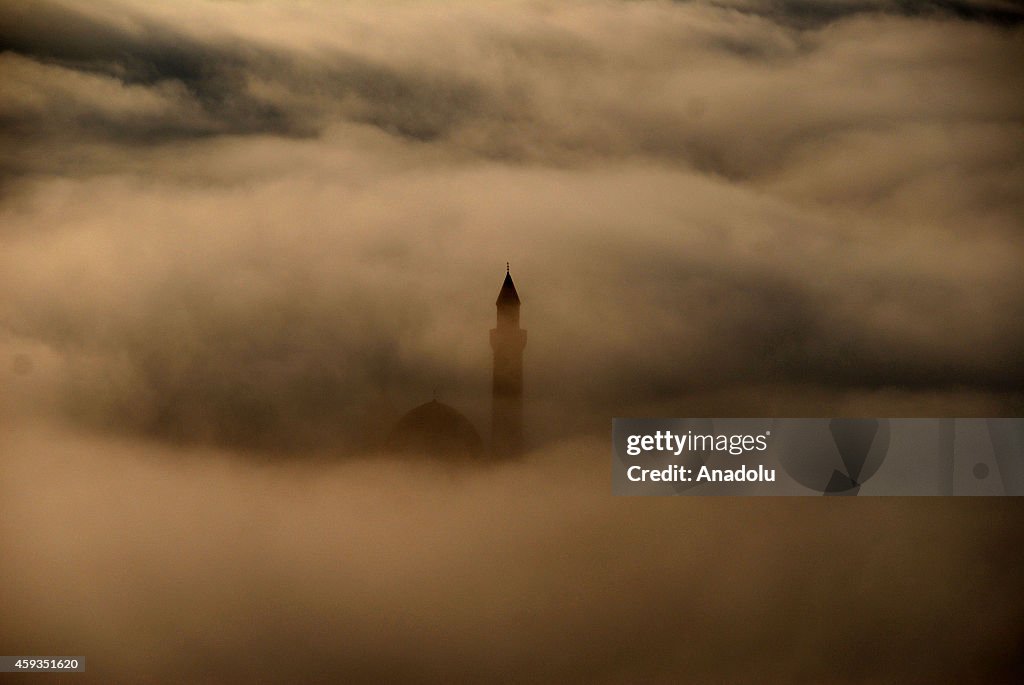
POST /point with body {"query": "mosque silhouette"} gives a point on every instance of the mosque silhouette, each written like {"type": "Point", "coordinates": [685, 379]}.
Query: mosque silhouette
{"type": "Point", "coordinates": [439, 430]}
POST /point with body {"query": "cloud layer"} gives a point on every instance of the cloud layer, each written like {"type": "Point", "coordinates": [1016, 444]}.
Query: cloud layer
{"type": "Point", "coordinates": [238, 225]}
{"type": "Point", "coordinates": [235, 231]}
{"type": "Point", "coordinates": [191, 566]}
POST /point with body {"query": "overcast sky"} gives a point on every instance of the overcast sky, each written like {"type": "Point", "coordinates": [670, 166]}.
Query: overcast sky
{"type": "Point", "coordinates": [239, 230]}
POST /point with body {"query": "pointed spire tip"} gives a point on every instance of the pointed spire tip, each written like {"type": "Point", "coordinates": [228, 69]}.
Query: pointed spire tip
{"type": "Point", "coordinates": [508, 294]}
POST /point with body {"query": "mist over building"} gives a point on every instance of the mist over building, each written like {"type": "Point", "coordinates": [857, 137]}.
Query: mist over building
{"type": "Point", "coordinates": [439, 430]}
{"type": "Point", "coordinates": [241, 244]}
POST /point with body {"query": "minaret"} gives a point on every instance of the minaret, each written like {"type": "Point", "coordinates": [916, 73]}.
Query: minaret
{"type": "Point", "coordinates": [508, 341]}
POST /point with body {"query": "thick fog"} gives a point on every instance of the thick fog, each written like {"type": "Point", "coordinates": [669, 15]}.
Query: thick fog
{"type": "Point", "coordinates": [163, 565]}
{"type": "Point", "coordinates": [238, 240]}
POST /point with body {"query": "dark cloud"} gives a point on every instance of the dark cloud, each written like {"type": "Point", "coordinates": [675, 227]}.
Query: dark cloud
{"type": "Point", "coordinates": [200, 87]}
{"type": "Point", "coordinates": [819, 12]}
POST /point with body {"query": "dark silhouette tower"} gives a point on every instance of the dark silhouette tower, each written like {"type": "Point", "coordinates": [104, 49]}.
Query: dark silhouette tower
{"type": "Point", "coordinates": [508, 341]}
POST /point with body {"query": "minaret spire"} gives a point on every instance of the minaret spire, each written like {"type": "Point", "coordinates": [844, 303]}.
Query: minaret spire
{"type": "Point", "coordinates": [508, 341]}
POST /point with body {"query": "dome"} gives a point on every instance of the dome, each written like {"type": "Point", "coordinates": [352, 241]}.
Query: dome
{"type": "Point", "coordinates": [435, 429]}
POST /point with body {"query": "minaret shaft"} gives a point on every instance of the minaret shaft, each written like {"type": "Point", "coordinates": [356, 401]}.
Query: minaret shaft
{"type": "Point", "coordinates": [508, 341]}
